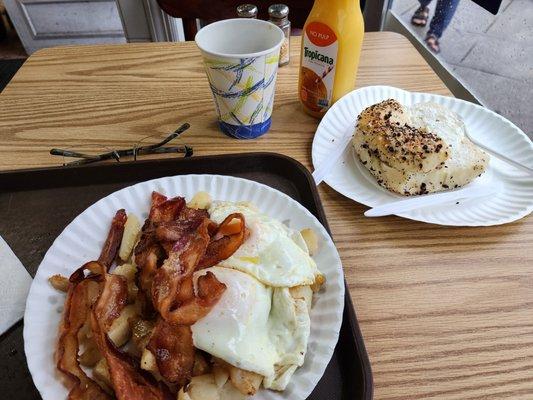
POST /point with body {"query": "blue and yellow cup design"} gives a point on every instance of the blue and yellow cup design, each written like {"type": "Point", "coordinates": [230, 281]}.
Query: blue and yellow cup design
{"type": "Point", "coordinates": [241, 61]}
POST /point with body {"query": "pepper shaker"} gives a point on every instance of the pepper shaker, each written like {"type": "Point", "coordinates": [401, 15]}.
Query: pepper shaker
{"type": "Point", "coordinates": [279, 15]}
{"type": "Point", "coordinates": [247, 11]}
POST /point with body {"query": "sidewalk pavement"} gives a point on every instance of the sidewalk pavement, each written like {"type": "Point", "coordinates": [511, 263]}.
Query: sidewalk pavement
{"type": "Point", "coordinates": [492, 55]}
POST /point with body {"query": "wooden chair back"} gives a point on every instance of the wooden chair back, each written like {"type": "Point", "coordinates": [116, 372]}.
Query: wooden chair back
{"type": "Point", "coordinates": [214, 10]}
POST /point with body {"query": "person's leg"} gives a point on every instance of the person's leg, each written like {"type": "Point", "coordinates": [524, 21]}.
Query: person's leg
{"type": "Point", "coordinates": [421, 15]}
{"type": "Point", "coordinates": [443, 15]}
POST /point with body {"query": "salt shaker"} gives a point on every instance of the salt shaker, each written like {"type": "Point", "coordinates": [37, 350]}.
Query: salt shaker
{"type": "Point", "coordinates": [247, 11]}
{"type": "Point", "coordinates": [279, 15]}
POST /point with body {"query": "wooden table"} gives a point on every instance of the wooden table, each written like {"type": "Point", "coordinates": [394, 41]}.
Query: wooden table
{"type": "Point", "coordinates": [446, 312]}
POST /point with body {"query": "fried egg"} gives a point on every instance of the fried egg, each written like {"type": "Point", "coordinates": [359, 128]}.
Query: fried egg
{"type": "Point", "coordinates": [273, 253]}
{"type": "Point", "coordinates": [255, 327]}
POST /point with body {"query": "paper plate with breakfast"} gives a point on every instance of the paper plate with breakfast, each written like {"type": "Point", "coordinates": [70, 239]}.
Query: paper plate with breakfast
{"type": "Point", "coordinates": [415, 155]}
{"type": "Point", "coordinates": [191, 287]}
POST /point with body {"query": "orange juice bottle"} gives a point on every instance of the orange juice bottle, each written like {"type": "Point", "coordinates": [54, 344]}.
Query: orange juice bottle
{"type": "Point", "coordinates": [331, 45]}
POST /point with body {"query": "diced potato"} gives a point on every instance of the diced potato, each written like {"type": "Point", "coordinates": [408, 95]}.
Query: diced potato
{"type": "Point", "coordinates": [299, 240]}
{"type": "Point", "coordinates": [221, 375]}
{"type": "Point", "coordinates": [120, 331]}
{"type": "Point", "coordinates": [132, 228]}
{"type": "Point", "coordinates": [230, 392]}
{"type": "Point", "coordinates": [246, 382]}
{"type": "Point", "coordinates": [90, 356]}
{"type": "Point", "coordinates": [320, 279]}
{"type": "Point", "coordinates": [304, 293]}
{"type": "Point", "coordinates": [101, 375]}
{"type": "Point", "coordinates": [129, 272]}
{"type": "Point", "coordinates": [281, 378]}
{"type": "Point", "coordinates": [311, 240]}
{"type": "Point", "coordinates": [201, 200]}
{"type": "Point", "coordinates": [182, 395]}
{"type": "Point", "coordinates": [148, 361]}
{"type": "Point", "coordinates": [201, 366]}
{"type": "Point", "coordinates": [59, 282]}
{"type": "Point", "coordinates": [141, 331]}
{"type": "Point", "coordinates": [203, 387]}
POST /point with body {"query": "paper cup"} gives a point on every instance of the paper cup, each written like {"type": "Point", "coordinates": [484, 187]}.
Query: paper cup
{"type": "Point", "coordinates": [241, 61]}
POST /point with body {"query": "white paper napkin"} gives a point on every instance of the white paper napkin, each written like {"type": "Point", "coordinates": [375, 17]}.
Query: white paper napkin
{"type": "Point", "coordinates": [14, 286]}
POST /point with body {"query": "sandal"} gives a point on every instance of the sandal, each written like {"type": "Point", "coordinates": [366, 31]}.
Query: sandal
{"type": "Point", "coordinates": [420, 17]}
{"type": "Point", "coordinates": [432, 42]}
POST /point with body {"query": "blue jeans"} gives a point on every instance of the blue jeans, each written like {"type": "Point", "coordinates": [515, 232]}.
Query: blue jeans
{"type": "Point", "coordinates": [443, 15]}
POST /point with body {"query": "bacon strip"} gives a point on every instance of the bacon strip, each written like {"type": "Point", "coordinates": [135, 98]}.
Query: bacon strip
{"type": "Point", "coordinates": [229, 236]}
{"type": "Point", "coordinates": [175, 241]}
{"type": "Point", "coordinates": [174, 351]}
{"type": "Point", "coordinates": [149, 250]}
{"type": "Point", "coordinates": [179, 265]}
{"type": "Point", "coordinates": [129, 381]}
{"type": "Point", "coordinates": [192, 244]}
{"type": "Point", "coordinates": [114, 237]}
{"type": "Point", "coordinates": [77, 309]}
{"type": "Point", "coordinates": [175, 230]}
{"type": "Point", "coordinates": [173, 296]}
{"type": "Point", "coordinates": [209, 291]}
{"type": "Point", "coordinates": [112, 300]}
{"type": "Point", "coordinates": [192, 214]}
{"type": "Point", "coordinates": [156, 200]}
{"type": "Point", "coordinates": [163, 209]}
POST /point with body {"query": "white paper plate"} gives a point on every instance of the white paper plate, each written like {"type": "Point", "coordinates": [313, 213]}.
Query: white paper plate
{"type": "Point", "coordinates": [350, 178]}
{"type": "Point", "coordinates": [82, 240]}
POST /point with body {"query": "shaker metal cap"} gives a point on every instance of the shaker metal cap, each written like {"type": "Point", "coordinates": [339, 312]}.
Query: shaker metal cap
{"type": "Point", "coordinates": [247, 11]}
{"type": "Point", "coordinates": [278, 11]}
